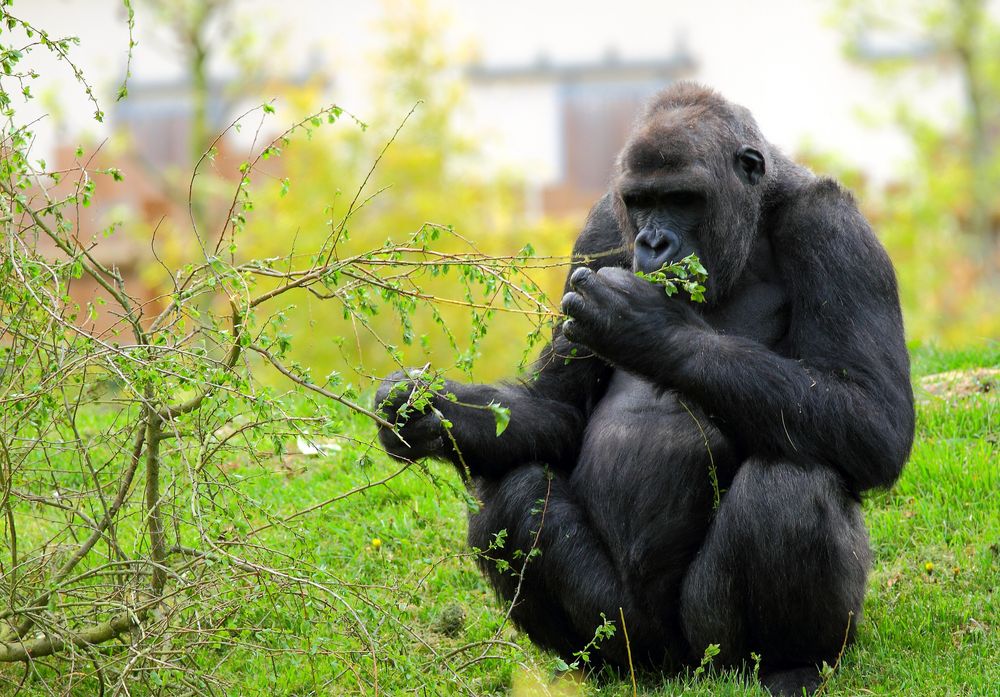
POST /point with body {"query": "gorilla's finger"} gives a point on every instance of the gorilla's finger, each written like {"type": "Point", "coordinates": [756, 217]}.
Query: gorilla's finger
{"type": "Point", "coordinates": [581, 278]}
{"type": "Point", "coordinates": [617, 277]}
{"type": "Point", "coordinates": [574, 305]}
{"type": "Point", "coordinates": [569, 330]}
{"type": "Point", "coordinates": [392, 391]}
{"type": "Point", "coordinates": [419, 435]}
{"type": "Point", "coordinates": [422, 428]}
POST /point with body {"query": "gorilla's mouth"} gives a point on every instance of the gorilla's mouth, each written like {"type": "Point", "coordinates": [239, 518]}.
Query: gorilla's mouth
{"type": "Point", "coordinates": [648, 261]}
{"type": "Point", "coordinates": [647, 264]}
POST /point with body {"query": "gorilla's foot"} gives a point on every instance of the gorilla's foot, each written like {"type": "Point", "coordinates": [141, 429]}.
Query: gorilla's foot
{"type": "Point", "coordinates": [792, 683]}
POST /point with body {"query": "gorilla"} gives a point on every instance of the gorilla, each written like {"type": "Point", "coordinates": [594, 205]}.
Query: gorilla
{"type": "Point", "coordinates": [693, 469]}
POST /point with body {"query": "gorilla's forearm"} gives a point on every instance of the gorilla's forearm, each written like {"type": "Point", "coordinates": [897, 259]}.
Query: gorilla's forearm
{"type": "Point", "coordinates": [541, 429]}
{"type": "Point", "coordinates": [857, 420]}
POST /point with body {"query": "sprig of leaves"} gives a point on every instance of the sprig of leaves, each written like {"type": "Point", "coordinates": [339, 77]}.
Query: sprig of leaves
{"type": "Point", "coordinates": [688, 275]}
{"type": "Point", "coordinates": [602, 632]}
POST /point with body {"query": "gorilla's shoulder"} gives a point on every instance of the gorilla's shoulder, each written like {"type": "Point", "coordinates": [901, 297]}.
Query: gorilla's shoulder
{"type": "Point", "coordinates": [820, 208]}
{"type": "Point", "coordinates": [814, 193]}
{"type": "Point", "coordinates": [829, 190]}
{"type": "Point", "coordinates": [822, 229]}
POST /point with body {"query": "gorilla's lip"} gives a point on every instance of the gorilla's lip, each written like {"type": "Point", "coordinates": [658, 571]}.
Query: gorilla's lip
{"type": "Point", "coordinates": [643, 266]}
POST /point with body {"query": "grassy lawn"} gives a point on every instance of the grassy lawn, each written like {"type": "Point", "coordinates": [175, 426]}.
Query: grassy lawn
{"type": "Point", "coordinates": [379, 592]}
{"type": "Point", "coordinates": [931, 618]}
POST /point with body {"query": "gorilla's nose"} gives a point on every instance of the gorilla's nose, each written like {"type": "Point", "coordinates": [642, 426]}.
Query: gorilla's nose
{"type": "Point", "coordinates": [655, 247]}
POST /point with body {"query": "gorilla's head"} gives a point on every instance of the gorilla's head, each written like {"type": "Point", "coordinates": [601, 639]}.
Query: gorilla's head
{"type": "Point", "coordinates": [690, 180]}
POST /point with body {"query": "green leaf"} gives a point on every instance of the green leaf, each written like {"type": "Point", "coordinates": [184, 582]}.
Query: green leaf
{"type": "Point", "coordinates": [501, 415]}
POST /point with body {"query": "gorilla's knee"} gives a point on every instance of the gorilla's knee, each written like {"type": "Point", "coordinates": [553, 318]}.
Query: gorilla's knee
{"type": "Point", "coordinates": [783, 570]}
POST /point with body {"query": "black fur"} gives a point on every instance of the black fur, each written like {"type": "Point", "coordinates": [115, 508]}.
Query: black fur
{"type": "Point", "coordinates": [699, 467]}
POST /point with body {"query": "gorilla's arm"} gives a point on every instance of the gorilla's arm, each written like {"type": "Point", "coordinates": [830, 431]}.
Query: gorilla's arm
{"type": "Point", "coordinates": [842, 398]}
{"type": "Point", "coordinates": [548, 410]}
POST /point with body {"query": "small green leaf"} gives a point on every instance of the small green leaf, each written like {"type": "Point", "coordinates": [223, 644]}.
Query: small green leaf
{"type": "Point", "coordinates": [501, 415]}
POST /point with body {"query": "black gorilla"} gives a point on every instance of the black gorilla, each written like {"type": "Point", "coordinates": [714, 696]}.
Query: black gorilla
{"type": "Point", "coordinates": [699, 467]}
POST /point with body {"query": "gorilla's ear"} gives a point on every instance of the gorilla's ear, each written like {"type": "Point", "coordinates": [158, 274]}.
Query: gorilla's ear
{"type": "Point", "coordinates": [749, 165]}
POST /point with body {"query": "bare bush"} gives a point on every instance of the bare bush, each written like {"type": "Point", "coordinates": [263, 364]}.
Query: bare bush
{"type": "Point", "coordinates": [134, 543]}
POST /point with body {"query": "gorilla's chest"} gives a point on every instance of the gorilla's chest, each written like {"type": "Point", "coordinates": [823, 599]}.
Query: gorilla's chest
{"type": "Point", "coordinates": [758, 306]}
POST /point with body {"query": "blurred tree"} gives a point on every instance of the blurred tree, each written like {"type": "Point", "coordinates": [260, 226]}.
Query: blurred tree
{"type": "Point", "coordinates": [940, 219]}
{"type": "Point", "coordinates": [430, 171]}
{"type": "Point", "coordinates": [191, 22]}
{"type": "Point", "coordinates": [196, 28]}
{"type": "Point", "coordinates": [945, 38]}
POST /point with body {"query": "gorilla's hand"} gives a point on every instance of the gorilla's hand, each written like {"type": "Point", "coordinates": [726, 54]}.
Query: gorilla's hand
{"type": "Point", "coordinates": [407, 402]}
{"type": "Point", "coordinates": [623, 318]}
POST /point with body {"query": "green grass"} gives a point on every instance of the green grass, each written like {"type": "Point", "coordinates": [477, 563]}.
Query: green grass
{"type": "Point", "coordinates": [417, 602]}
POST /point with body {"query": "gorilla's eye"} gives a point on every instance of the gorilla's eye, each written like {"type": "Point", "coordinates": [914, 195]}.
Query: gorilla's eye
{"type": "Point", "coordinates": [683, 199]}
{"type": "Point", "coordinates": [636, 199]}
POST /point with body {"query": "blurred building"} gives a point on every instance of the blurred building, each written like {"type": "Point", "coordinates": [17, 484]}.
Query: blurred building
{"type": "Point", "coordinates": [557, 121]}
{"type": "Point", "coordinates": [585, 112]}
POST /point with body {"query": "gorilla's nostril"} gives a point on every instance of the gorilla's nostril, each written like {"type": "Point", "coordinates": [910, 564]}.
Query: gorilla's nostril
{"type": "Point", "coordinates": [658, 240]}
{"type": "Point", "coordinates": [654, 247]}
{"type": "Point", "coordinates": [669, 241]}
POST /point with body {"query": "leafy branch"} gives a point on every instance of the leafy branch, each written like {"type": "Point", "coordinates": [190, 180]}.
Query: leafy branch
{"type": "Point", "coordinates": [688, 275]}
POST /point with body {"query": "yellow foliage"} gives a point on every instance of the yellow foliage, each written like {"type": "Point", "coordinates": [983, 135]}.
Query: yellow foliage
{"type": "Point", "coordinates": [426, 174]}
{"type": "Point", "coordinates": [949, 281]}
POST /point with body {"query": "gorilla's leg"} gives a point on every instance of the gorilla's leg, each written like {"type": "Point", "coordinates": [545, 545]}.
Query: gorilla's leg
{"type": "Point", "coordinates": [782, 573]}
{"type": "Point", "coordinates": [568, 580]}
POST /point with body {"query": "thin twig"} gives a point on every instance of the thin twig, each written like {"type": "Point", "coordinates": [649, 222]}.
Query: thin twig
{"type": "Point", "coordinates": [628, 651]}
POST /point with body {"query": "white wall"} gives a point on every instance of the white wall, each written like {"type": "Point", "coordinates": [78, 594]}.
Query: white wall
{"type": "Point", "coordinates": [778, 57]}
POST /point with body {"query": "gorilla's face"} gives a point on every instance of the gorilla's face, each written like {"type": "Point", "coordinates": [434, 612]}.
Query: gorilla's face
{"type": "Point", "coordinates": [686, 186]}
{"type": "Point", "coordinates": [667, 225]}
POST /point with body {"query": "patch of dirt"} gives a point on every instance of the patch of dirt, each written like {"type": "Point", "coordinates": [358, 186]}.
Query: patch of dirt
{"type": "Point", "coordinates": [956, 384]}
